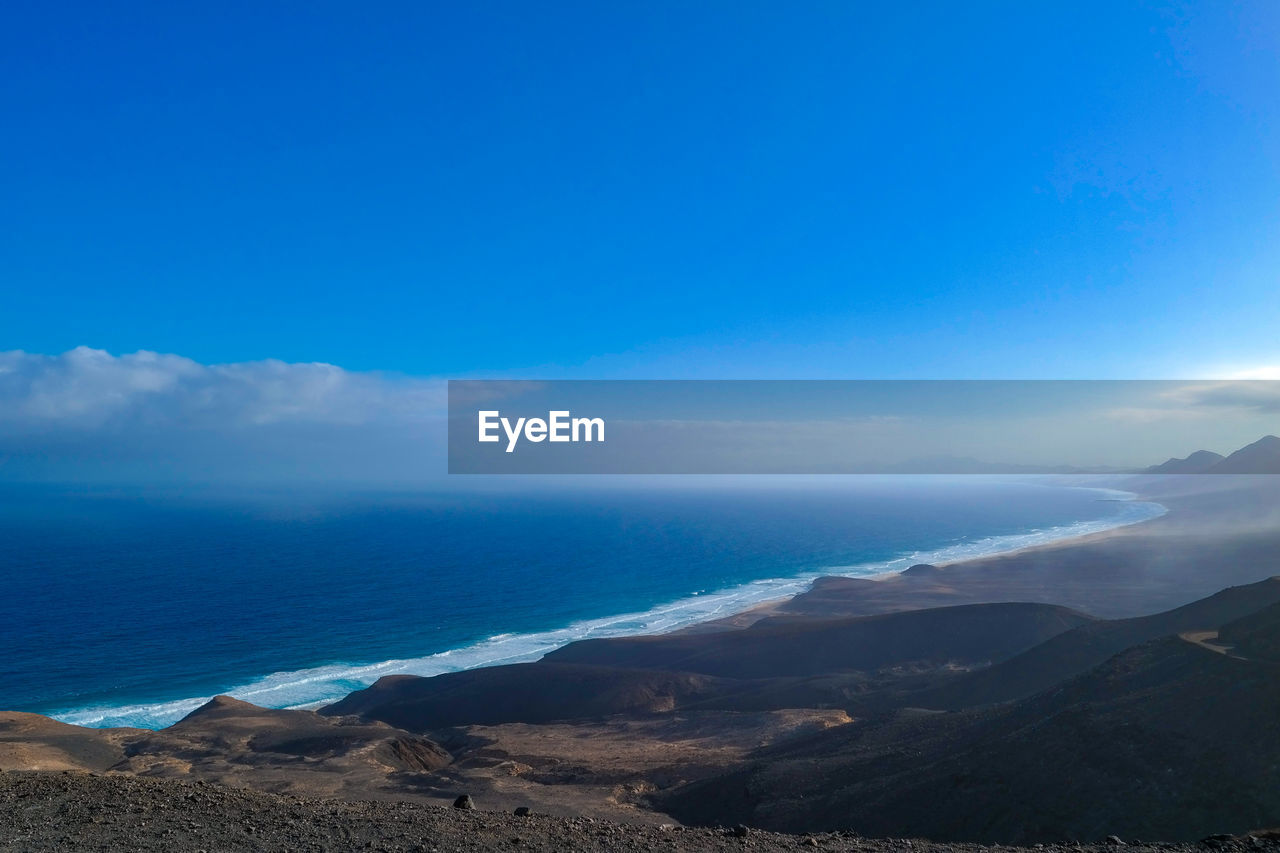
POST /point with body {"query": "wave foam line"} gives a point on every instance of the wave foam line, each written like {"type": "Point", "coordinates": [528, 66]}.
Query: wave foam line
{"type": "Point", "coordinates": [315, 686]}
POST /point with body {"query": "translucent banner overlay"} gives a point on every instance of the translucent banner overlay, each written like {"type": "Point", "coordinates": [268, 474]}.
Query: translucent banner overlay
{"type": "Point", "coordinates": [864, 427]}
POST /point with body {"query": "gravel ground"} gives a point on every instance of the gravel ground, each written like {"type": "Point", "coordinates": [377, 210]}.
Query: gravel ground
{"type": "Point", "coordinates": [80, 812]}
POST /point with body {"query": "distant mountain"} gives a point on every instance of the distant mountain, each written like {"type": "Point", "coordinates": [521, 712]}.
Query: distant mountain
{"type": "Point", "coordinates": [1196, 463]}
{"type": "Point", "coordinates": [970, 465]}
{"type": "Point", "coordinates": [1261, 457]}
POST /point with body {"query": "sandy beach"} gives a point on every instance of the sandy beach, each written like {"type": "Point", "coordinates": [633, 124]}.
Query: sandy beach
{"type": "Point", "coordinates": [1217, 531]}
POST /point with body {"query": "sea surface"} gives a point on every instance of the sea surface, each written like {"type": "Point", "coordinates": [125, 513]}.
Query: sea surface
{"type": "Point", "coordinates": [133, 606]}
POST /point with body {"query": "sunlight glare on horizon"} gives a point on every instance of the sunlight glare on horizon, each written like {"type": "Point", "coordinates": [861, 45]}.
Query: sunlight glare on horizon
{"type": "Point", "coordinates": [1268, 372]}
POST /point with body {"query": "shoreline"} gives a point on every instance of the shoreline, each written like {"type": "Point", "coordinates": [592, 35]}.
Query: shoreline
{"type": "Point", "coordinates": [1215, 533]}
{"type": "Point", "coordinates": [714, 611]}
{"type": "Point", "coordinates": [766, 609]}
{"type": "Point", "coordinates": [1058, 542]}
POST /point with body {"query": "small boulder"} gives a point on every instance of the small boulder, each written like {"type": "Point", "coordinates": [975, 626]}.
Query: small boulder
{"type": "Point", "coordinates": [464, 802]}
{"type": "Point", "coordinates": [522, 811]}
{"type": "Point", "coordinates": [1114, 841]}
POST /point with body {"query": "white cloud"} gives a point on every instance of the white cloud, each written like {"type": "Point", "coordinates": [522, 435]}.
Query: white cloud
{"type": "Point", "coordinates": [1241, 405]}
{"type": "Point", "coordinates": [89, 388]}
{"type": "Point", "coordinates": [88, 415]}
{"type": "Point", "coordinates": [1245, 395]}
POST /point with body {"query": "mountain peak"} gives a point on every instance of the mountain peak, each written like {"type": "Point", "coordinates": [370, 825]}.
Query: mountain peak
{"type": "Point", "coordinates": [1261, 457]}
{"type": "Point", "coordinates": [1197, 463]}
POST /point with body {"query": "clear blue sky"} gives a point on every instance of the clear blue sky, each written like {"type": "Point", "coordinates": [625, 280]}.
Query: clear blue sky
{"type": "Point", "coordinates": [654, 189]}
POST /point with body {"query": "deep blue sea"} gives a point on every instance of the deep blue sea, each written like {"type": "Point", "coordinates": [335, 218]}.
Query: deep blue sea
{"type": "Point", "coordinates": [133, 606]}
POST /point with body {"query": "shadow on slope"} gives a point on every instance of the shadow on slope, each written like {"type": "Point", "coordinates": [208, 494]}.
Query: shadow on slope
{"type": "Point", "coordinates": [784, 648]}
{"type": "Point", "coordinates": [1168, 740]}
{"type": "Point", "coordinates": [772, 665]}
{"type": "Point", "coordinates": [1086, 646]}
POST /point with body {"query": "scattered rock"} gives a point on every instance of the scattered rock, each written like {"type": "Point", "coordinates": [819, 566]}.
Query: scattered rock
{"type": "Point", "coordinates": [43, 813]}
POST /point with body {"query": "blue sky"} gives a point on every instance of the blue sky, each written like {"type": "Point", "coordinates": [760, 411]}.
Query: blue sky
{"type": "Point", "coordinates": [647, 189]}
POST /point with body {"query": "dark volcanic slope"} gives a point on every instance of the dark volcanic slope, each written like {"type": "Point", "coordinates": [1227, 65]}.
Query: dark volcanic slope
{"type": "Point", "coordinates": [1076, 651]}
{"type": "Point", "coordinates": [54, 812]}
{"type": "Point", "coordinates": [773, 664]}
{"type": "Point", "coordinates": [528, 693]}
{"type": "Point", "coordinates": [1256, 636]}
{"type": "Point", "coordinates": [774, 648]}
{"type": "Point", "coordinates": [1168, 740]}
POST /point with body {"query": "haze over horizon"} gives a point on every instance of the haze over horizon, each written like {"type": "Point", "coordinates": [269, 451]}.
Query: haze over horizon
{"type": "Point", "coordinates": [89, 415]}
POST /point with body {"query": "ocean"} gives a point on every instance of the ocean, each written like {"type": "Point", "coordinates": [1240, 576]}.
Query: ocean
{"type": "Point", "coordinates": [133, 606]}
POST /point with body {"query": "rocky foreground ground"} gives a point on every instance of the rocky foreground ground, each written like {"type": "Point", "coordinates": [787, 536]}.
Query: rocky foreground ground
{"type": "Point", "coordinates": [81, 812]}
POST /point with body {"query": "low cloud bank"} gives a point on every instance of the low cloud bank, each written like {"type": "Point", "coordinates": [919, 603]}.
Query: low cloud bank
{"type": "Point", "coordinates": [92, 388]}
{"type": "Point", "coordinates": [88, 414]}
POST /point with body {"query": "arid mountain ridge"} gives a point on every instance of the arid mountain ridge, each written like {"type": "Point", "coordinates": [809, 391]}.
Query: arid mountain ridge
{"type": "Point", "coordinates": [911, 706]}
